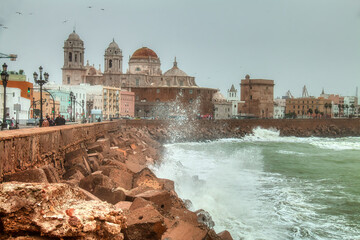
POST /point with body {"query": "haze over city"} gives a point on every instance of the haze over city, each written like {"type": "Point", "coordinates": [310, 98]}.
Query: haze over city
{"type": "Point", "coordinates": [295, 43]}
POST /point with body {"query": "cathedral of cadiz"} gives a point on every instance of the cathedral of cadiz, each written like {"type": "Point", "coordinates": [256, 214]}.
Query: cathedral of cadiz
{"type": "Point", "coordinates": [155, 92]}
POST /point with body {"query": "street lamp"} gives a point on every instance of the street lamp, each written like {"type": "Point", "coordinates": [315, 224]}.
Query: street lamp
{"type": "Point", "coordinates": [41, 82]}
{"type": "Point", "coordinates": [71, 105]}
{"type": "Point", "coordinates": [4, 78]}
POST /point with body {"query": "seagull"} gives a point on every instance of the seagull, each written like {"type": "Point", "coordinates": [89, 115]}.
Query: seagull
{"type": "Point", "coordinates": [31, 13]}
{"type": "Point", "coordinates": [65, 21]}
{"type": "Point", "coordinates": [89, 6]}
{"type": "Point", "coordinates": [102, 9]}
{"type": "Point", "coordinates": [19, 13]}
{"type": "Point", "coordinates": [5, 27]}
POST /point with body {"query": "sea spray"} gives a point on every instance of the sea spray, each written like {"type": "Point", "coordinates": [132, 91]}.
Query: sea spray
{"type": "Point", "coordinates": [265, 186]}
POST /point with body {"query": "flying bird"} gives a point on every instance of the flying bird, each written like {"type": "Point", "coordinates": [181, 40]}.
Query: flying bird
{"type": "Point", "coordinates": [102, 9]}
{"type": "Point", "coordinates": [19, 13]}
{"type": "Point", "coordinates": [5, 27]}
{"type": "Point", "coordinates": [89, 6]}
{"type": "Point", "coordinates": [65, 21]}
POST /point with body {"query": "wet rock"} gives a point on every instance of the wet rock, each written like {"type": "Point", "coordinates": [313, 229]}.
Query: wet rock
{"type": "Point", "coordinates": [31, 175]}
{"type": "Point", "coordinates": [160, 198]}
{"type": "Point", "coordinates": [146, 177]}
{"type": "Point", "coordinates": [144, 223]}
{"type": "Point", "coordinates": [225, 235]}
{"type": "Point", "coordinates": [183, 230]}
{"type": "Point", "coordinates": [205, 218]}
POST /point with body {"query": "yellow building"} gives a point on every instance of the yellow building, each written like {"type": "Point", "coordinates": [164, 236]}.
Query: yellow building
{"type": "Point", "coordinates": [48, 105]}
{"type": "Point", "coordinates": [309, 107]}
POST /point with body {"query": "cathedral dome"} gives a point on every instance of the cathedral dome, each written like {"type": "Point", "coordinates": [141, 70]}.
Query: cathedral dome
{"type": "Point", "coordinates": [113, 44]}
{"type": "Point", "coordinates": [73, 36]}
{"type": "Point", "coordinates": [144, 53]}
{"type": "Point", "coordinates": [175, 71]}
{"type": "Point", "coordinates": [218, 97]}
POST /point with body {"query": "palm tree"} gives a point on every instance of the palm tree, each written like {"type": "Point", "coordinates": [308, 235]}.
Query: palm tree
{"type": "Point", "coordinates": [330, 107]}
{"type": "Point", "coordinates": [310, 111]}
{"type": "Point", "coordinates": [316, 112]}
{"type": "Point", "coordinates": [352, 106]}
{"type": "Point", "coordinates": [339, 106]}
{"type": "Point", "coordinates": [326, 106]}
{"type": "Point", "coordinates": [347, 109]}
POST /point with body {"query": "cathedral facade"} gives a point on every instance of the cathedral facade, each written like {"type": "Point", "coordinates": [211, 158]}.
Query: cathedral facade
{"type": "Point", "coordinates": [155, 92]}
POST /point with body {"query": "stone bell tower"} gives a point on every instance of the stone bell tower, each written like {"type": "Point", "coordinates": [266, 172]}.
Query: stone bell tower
{"type": "Point", "coordinates": [73, 71]}
{"type": "Point", "coordinates": [113, 58]}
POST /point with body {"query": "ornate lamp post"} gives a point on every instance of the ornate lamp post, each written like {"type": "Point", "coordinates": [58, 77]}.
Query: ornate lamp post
{"type": "Point", "coordinates": [4, 78]}
{"type": "Point", "coordinates": [41, 82]}
{"type": "Point", "coordinates": [71, 104]}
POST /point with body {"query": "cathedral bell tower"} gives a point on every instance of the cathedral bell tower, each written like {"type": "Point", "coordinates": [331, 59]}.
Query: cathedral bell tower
{"type": "Point", "coordinates": [113, 58]}
{"type": "Point", "coordinates": [73, 71]}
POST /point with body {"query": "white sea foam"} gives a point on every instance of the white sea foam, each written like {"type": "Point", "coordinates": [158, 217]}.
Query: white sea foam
{"type": "Point", "coordinates": [230, 179]}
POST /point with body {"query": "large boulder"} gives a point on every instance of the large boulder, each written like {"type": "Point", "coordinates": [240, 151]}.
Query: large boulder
{"type": "Point", "coordinates": [58, 211]}
{"type": "Point", "coordinates": [32, 175]}
{"type": "Point", "coordinates": [144, 223]}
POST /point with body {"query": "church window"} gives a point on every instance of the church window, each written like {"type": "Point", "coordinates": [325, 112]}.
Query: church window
{"type": "Point", "coordinates": [80, 57]}
{"type": "Point", "coordinates": [75, 57]}
{"type": "Point", "coordinates": [158, 90]}
{"type": "Point", "coordinates": [168, 82]}
{"type": "Point", "coordinates": [250, 97]}
{"type": "Point", "coordinates": [137, 82]}
{"type": "Point", "coordinates": [181, 83]}
{"type": "Point", "coordinates": [137, 69]}
{"type": "Point", "coordinates": [110, 63]}
{"type": "Point", "coordinates": [191, 91]}
{"type": "Point", "coordinates": [68, 80]}
{"type": "Point", "coordinates": [70, 57]}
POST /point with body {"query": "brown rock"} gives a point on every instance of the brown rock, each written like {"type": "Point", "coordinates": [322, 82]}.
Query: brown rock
{"type": "Point", "coordinates": [51, 174]}
{"type": "Point", "coordinates": [121, 177]}
{"type": "Point", "coordinates": [160, 198]}
{"type": "Point", "coordinates": [105, 143]}
{"type": "Point", "coordinates": [31, 175]}
{"type": "Point", "coordinates": [77, 160]}
{"type": "Point", "coordinates": [96, 180]}
{"type": "Point", "coordinates": [109, 195]}
{"type": "Point", "coordinates": [56, 210]}
{"type": "Point", "coordinates": [148, 178]}
{"type": "Point", "coordinates": [139, 203]}
{"type": "Point", "coordinates": [123, 205]}
{"type": "Point", "coordinates": [183, 230]}
{"type": "Point", "coordinates": [145, 223]}
{"type": "Point", "coordinates": [225, 235]}
{"type": "Point", "coordinates": [95, 147]}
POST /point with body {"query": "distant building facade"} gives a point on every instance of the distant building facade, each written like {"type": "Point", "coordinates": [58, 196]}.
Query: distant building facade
{"type": "Point", "coordinates": [258, 97]}
{"type": "Point", "coordinates": [309, 107]}
{"type": "Point", "coordinates": [279, 108]}
{"type": "Point", "coordinates": [222, 107]}
{"type": "Point", "coordinates": [154, 91]}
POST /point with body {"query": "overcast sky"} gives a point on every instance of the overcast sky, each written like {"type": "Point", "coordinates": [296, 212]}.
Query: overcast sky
{"type": "Point", "coordinates": [294, 42]}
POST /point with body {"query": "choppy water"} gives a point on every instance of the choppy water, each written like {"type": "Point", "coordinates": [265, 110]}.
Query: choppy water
{"type": "Point", "coordinates": [269, 187]}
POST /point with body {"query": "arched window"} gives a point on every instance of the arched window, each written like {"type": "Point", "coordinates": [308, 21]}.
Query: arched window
{"type": "Point", "coordinates": [137, 69]}
{"type": "Point", "coordinates": [110, 63]}
{"type": "Point", "coordinates": [70, 57]}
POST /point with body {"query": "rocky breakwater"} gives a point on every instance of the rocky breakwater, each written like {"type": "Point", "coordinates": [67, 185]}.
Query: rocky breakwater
{"type": "Point", "coordinates": [107, 191]}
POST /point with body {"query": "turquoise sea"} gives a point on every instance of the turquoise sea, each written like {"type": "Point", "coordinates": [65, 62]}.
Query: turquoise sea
{"type": "Point", "coordinates": [264, 186]}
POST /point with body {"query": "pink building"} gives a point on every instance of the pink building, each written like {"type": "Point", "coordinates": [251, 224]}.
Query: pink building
{"type": "Point", "coordinates": [127, 104]}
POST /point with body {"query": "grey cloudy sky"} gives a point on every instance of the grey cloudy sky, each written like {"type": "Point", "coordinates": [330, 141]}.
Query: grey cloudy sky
{"type": "Point", "coordinates": [294, 42]}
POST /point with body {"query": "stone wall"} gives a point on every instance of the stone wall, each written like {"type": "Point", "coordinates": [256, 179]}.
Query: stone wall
{"type": "Point", "coordinates": [28, 148]}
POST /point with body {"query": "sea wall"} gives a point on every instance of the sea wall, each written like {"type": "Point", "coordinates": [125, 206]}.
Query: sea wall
{"type": "Point", "coordinates": [25, 148]}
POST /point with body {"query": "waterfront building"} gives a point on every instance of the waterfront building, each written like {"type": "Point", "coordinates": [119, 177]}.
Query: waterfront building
{"type": "Point", "coordinates": [222, 107]}
{"type": "Point", "coordinates": [350, 105]}
{"type": "Point", "coordinates": [20, 92]}
{"type": "Point", "coordinates": [279, 108]}
{"type": "Point", "coordinates": [258, 97]}
{"type": "Point", "coordinates": [234, 99]}
{"type": "Point", "coordinates": [308, 107]}
{"type": "Point", "coordinates": [17, 106]}
{"type": "Point", "coordinates": [155, 92]}
{"type": "Point", "coordinates": [51, 107]}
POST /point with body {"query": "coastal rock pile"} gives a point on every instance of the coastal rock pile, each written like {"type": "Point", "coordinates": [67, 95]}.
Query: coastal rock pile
{"type": "Point", "coordinates": [104, 191]}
